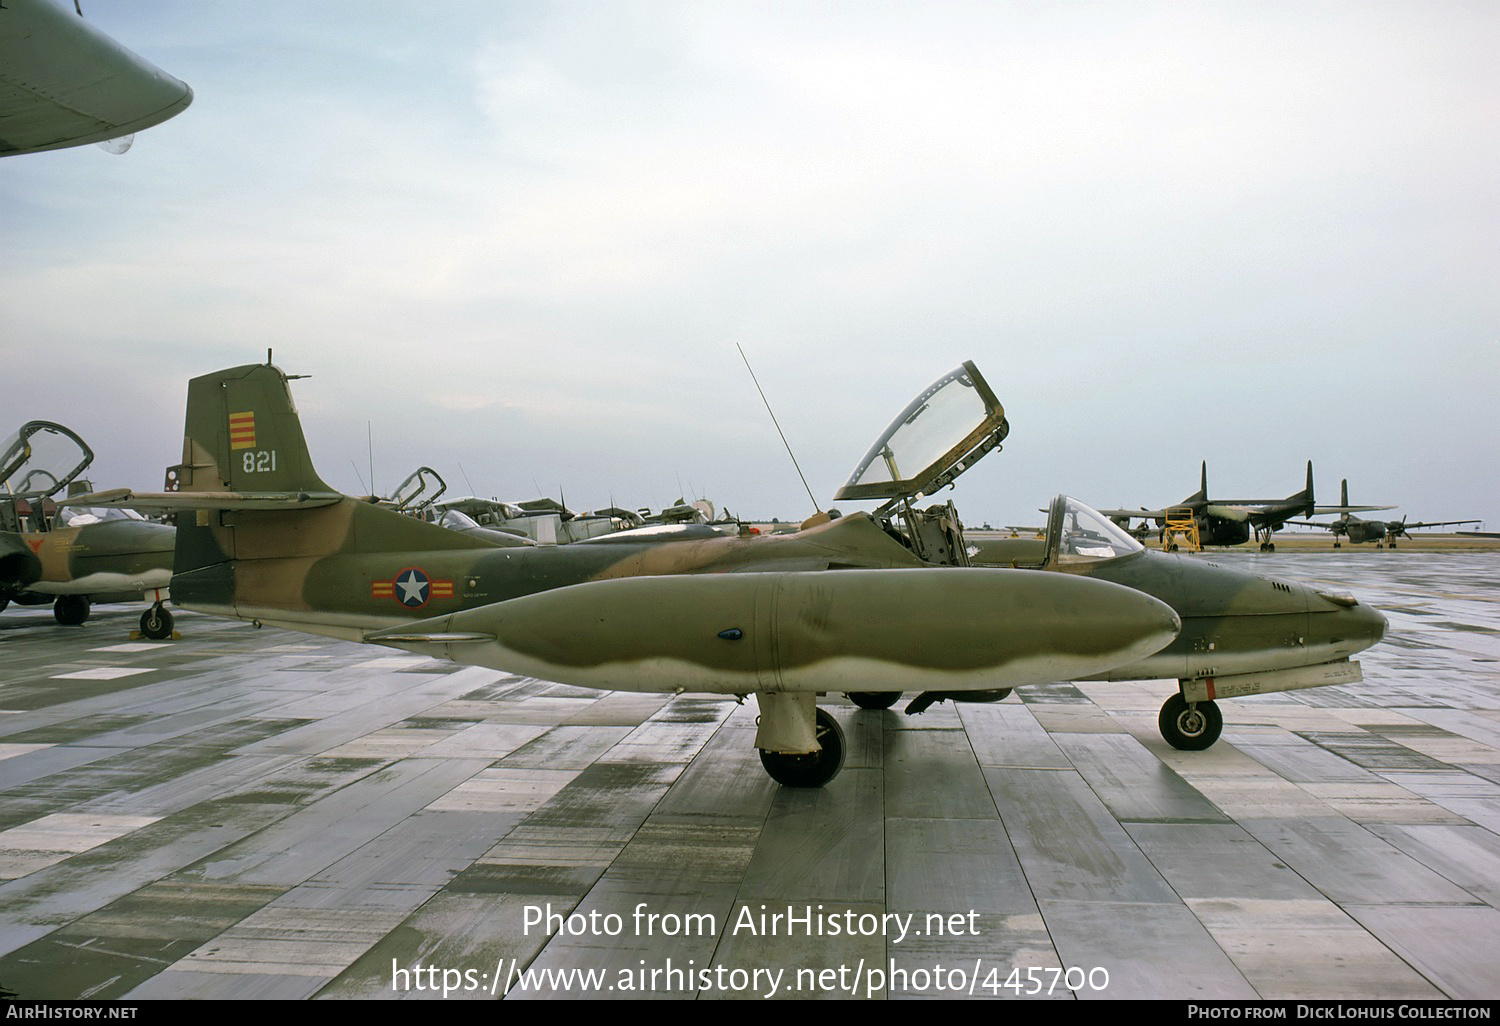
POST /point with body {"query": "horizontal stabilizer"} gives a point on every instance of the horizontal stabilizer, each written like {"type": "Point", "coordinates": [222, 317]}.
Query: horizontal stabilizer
{"type": "Point", "coordinates": [127, 499]}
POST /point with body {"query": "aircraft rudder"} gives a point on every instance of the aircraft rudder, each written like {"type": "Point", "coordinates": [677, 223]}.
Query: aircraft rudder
{"type": "Point", "coordinates": [1306, 495]}
{"type": "Point", "coordinates": [1202, 495]}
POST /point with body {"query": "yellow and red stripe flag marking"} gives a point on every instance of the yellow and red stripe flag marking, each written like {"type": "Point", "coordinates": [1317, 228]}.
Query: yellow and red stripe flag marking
{"type": "Point", "coordinates": [242, 430]}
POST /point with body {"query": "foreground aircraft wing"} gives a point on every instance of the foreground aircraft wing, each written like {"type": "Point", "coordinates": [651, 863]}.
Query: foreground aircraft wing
{"type": "Point", "coordinates": [64, 83]}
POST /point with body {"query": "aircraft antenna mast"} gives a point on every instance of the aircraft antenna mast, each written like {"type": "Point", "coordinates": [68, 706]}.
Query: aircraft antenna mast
{"type": "Point", "coordinates": [778, 427]}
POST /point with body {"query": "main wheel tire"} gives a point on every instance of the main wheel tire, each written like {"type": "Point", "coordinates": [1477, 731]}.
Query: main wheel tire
{"type": "Point", "coordinates": [874, 699]}
{"type": "Point", "coordinates": [1190, 728]}
{"type": "Point", "coordinates": [156, 623]}
{"type": "Point", "coordinates": [815, 768]}
{"type": "Point", "coordinates": [70, 610]}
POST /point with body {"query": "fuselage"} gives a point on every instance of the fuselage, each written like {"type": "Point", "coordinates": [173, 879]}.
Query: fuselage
{"type": "Point", "coordinates": [840, 606]}
{"type": "Point", "coordinates": [112, 556]}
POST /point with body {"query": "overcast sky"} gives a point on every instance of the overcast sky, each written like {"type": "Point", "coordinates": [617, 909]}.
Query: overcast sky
{"type": "Point", "coordinates": [519, 242]}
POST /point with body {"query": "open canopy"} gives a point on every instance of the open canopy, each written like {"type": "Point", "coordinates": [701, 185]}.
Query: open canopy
{"type": "Point", "coordinates": [940, 434]}
{"type": "Point", "coordinates": [40, 459]}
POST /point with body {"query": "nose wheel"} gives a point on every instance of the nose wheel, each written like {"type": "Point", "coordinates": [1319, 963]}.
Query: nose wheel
{"type": "Point", "coordinates": [1190, 726]}
{"type": "Point", "coordinates": [812, 769]}
{"type": "Point", "coordinates": [156, 623]}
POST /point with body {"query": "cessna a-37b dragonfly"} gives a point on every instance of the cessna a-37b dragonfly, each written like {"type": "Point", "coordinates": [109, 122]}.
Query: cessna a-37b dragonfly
{"type": "Point", "coordinates": [871, 605]}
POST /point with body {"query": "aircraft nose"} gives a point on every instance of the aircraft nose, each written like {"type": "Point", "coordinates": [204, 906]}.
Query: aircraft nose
{"type": "Point", "coordinates": [1373, 621]}
{"type": "Point", "coordinates": [1355, 624]}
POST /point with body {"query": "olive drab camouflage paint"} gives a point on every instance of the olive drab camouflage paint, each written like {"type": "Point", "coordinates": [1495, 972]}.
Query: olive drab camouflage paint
{"type": "Point", "coordinates": [848, 605]}
{"type": "Point", "coordinates": [75, 556]}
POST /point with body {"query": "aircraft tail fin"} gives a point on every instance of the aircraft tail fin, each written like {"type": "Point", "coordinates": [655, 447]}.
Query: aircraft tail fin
{"type": "Point", "coordinates": [1202, 495]}
{"type": "Point", "coordinates": [259, 532]}
{"type": "Point", "coordinates": [242, 434]}
{"type": "Point", "coordinates": [1344, 498]}
{"type": "Point", "coordinates": [1306, 495]}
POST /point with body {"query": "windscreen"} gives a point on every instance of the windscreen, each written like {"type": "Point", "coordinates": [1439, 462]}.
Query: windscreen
{"type": "Point", "coordinates": [1078, 533]}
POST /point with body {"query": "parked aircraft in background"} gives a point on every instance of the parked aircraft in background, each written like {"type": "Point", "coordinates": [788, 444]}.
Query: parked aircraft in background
{"type": "Point", "coordinates": [1232, 521]}
{"type": "Point", "coordinates": [1358, 530]}
{"type": "Point", "coordinates": [868, 604]}
{"type": "Point", "coordinates": [64, 82]}
{"type": "Point", "coordinates": [77, 556]}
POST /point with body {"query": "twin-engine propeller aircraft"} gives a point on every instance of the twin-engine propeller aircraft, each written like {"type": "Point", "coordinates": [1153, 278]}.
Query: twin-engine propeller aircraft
{"type": "Point", "coordinates": [1232, 521]}
{"type": "Point", "coordinates": [79, 556]}
{"type": "Point", "coordinates": [871, 605]}
{"type": "Point", "coordinates": [1381, 532]}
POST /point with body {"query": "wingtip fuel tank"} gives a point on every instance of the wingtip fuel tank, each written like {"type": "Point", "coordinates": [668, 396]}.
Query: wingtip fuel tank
{"type": "Point", "coordinates": [940, 629]}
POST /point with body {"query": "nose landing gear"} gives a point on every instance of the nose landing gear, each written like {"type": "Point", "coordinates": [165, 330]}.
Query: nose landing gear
{"type": "Point", "coordinates": [156, 623]}
{"type": "Point", "coordinates": [1190, 726]}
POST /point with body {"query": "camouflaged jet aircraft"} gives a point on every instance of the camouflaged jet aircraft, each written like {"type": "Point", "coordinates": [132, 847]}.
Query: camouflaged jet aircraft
{"type": "Point", "coordinates": [79, 556]}
{"type": "Point", "coordinates": [867, 604]}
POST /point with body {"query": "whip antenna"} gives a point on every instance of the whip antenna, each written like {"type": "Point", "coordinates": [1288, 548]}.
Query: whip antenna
{"type": "Point", "coordinates": [778, 426]}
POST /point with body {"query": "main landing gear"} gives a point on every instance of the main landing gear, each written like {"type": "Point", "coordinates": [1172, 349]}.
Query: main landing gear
{"type": "Point", "coordinates": [812, 769]}
{"type": "Point", "coordinates": [1190, 726]}
{"type": "Point", "coordinates": [71, 610]}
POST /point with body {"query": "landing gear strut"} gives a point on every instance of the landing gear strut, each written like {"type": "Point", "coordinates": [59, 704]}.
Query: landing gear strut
{"type": "Point", "coordinates": [156, 623]}
{"type": "Point", "coordinates": [813, 769]}
{"type": "Point", "coordinates": [1190, 727]}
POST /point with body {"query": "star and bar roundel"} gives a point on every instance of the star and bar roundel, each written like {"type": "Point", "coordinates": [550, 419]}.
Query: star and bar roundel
{"type": "Point", "coordinates": [412, 587]}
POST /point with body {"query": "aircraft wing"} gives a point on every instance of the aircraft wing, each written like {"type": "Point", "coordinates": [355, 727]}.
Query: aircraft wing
{"type": "Point", "coordinates": [1320, 511]}
{"type": "Point", "coordinates": [1147, 514]}
{"type": "Point", "coordinates": [124, 498]}
{"type": "Point", "coordinates": [64, 82]}
{"type": "Point", "coordinates": [1257, 505]}
{"type": "Point", "coordinates": [1442, 523]}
